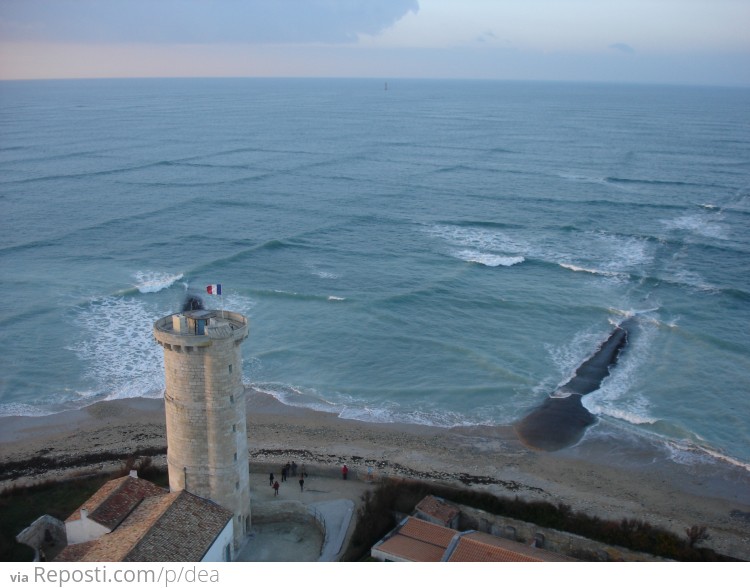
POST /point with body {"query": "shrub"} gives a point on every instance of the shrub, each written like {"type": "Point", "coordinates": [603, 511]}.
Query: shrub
{"type": "Point", "coordinates": [376, 518]}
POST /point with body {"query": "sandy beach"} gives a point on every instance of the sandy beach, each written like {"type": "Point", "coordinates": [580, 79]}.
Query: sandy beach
{"type": "Point", "coordinates": [599, 477]}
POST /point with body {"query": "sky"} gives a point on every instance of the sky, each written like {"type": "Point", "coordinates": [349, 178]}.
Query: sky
{"type": "Point", "coordinates": [701, 42]}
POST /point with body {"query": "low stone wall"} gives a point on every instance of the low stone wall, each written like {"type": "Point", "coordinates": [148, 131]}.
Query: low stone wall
{"type": "Point", "coordinates": [550, 539]}
{"type": "Point", "coordinates": [324, 471]}
{"type": "Point", "coordinates": [285, 511]}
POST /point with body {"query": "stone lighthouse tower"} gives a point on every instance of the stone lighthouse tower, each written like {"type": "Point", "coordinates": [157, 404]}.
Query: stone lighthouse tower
{"type": "Point", "coordinates": [205, 408]}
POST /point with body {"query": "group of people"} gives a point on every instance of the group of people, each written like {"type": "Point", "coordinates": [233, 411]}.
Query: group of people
{"type": "Point", "coordinates": [291, 468]}
{"type": "Point", "coordinates": [286, 470]}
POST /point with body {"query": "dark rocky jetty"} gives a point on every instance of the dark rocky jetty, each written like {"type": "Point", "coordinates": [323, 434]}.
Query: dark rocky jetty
{"type": "Point", "coordinates": [562, 419]}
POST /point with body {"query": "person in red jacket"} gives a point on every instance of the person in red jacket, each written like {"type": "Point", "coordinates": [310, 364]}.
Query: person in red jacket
{"type": "Point", "coordinates": [276, 488]}
{"type": "Point", "coordinates": [344, 471]}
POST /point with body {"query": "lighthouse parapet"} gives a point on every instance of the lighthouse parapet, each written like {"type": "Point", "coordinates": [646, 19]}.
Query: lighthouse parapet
{"type": "Point", "coordinates": [197, 328]}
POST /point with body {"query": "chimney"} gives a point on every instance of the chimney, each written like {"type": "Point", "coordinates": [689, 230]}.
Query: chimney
{"type": "Point", "coordinates": [133, 473]}
{"type": "Point", "coordinates": [84, 514]}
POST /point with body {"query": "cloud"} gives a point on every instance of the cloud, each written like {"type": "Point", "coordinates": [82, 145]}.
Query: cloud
{"type": "Point", "coordinates": [486, 37]}
{"type": "Point", "coordinates": [623, 47]}
{"type": "Point", "coordinates": [198, 21]}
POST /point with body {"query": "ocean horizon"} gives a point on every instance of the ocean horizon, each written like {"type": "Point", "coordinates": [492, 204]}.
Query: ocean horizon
{"type": "Point", "coordinates": [430, 251]}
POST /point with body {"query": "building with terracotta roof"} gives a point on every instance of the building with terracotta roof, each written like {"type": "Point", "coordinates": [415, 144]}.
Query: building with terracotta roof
{"type": "Point", "coordinates": [436, 510]}
{"type": "Point", "coordinates": [421, 541]}
{"type": "Point", "coordinates": [414, 540]}
{"type": "Point", "coordinates": [130, 519]}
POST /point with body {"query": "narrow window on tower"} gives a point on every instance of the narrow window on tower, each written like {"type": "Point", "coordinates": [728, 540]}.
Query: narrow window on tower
{"type": "Point", "coordinates": [231, 398]}
{"type": "Point", "coordinates": [235, 457]}
{"type": "Point", "coordinates": [234, 428]}
{"type": "Point", "coordinates": [230, 368]}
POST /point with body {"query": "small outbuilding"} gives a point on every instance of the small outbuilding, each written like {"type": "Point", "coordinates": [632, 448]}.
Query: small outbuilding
{"type": "Point", "coordinates": [131, 519]}
{"type": "Point", "coordinates": [436, 510]}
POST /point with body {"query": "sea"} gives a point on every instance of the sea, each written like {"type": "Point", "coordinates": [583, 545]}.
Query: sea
{"type": "Point", "coordinates": [417, 251]}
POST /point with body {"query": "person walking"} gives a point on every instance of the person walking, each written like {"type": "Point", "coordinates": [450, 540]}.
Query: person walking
{"type": "Point", "coordinates": [283, 474]}
{"type": "Point", "coordinates": [344, 471]}
{"type": "Point", "coordinates": [294, 469]}
{"type": "Point", "coordinates": [276, 488]}
{"type": "Point", "coordinates": [270, 479]}
{"type": "Point", "coordinates": [301, 484]}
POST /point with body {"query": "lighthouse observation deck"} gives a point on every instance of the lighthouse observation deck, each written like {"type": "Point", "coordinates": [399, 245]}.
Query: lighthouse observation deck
{"type": "Point", "coordinates": [198, 328]}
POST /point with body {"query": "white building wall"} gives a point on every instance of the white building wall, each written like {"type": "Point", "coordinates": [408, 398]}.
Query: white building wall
{"type": "Point", "coordinates": [83, 529]}
{"type": "Point", "coordinates": [217, 550]}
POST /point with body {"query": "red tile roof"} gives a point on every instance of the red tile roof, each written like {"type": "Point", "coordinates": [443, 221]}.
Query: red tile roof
{"type": "Point", "coordinates": [475, 546]}
{"type": "Point", "coordinates": [418, 540]}
{"type": "Point", "coordinates": [421, 541]}
{"type": "Point", "coordinates": [116, 499]}
{"type": "Point", "coordinates": [427, 532]}
{"type": "Point", "coordinates": [437, 509]}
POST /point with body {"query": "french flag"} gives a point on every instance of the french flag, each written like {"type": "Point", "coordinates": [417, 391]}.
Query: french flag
{"type": "Point", "coordinates": [214, 289]}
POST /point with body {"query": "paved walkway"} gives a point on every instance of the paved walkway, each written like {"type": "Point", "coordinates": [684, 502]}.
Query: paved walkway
{"type": "Point", "coordinates": [326, 496]}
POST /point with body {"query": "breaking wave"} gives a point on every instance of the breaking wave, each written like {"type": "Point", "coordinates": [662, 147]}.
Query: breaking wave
{"type": "Point", "coordinates": [150, 282]}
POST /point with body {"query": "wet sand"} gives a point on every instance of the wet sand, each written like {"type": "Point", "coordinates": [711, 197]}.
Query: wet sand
{"type": "Point", "coordinates": [599, 476]}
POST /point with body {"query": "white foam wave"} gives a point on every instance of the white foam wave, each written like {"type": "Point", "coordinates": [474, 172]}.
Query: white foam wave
{"type": "Point", "coordinates": [488, 259]}
{"type": "Point", "coordinates": [569, 356]}
{"type": "Point", "coordinates": [24, 409]}
{"type": "Point", "coordinates": [581, 178]}
{"type": "Point", "coordinates": [327, 275]}
{"type": "Point", "coordinates": [488, 247]}
{"type": "Point", "coordinates": [687, 452]}
{"type": "Point", "coordinates": [561, 393]}
{"type": "Point", "coordinates": [238, 303]}
{"type": "Point", "coordinates": [335, 298]}
{"type": "Point", "coordinates": [626, 314]}
{"type": "Point", "coordinates": [477, 238]}
{"type": "Point", "coordinates": [620, 254]}
{"type": "Point", "coordinates": [618, 396]}
{"type": "Point", "coordinates": [704, 225]}
{"type": "Point", "coordinates": [634, 418]}
{"type": "Point", "coordinates": [694, 280]}
{"type": "Point", "coordinates": [576, 268]}
{"type": "Point", "coordinates": [347, 407]}
{"type": "Point", "coordinates": [117, 347]}
{"type": "Point", "coordinates": [150, 282]}
{"type": "Point", "coordinates": [595, 252]}
{"type": "Point", "coordinates": [427, 417]}
{"type": "Point", "coordinates": [296, 396]}
{"type": "Point", "coordinates": [718, 456]}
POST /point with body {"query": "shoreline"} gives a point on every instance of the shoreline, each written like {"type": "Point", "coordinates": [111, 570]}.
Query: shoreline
{"type": "Point", "coordinates": [598, 476]}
